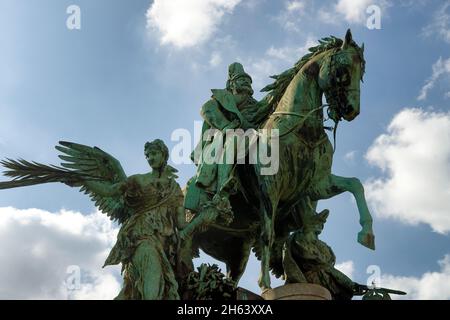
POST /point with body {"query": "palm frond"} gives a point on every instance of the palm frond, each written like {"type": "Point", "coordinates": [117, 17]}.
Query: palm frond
{"type": "Point", "coordinates": [25, 173]}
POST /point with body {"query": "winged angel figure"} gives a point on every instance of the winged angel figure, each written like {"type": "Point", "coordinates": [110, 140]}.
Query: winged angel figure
{"type": "Point", "coordinates": [149, 208]}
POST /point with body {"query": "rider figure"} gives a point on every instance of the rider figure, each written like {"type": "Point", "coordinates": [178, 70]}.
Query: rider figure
{"type": "Point", "coordinates": [230, 108]}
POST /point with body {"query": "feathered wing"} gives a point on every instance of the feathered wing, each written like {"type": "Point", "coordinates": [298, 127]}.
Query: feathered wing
{"type": "Point", "coordinates": [94, 162]}
{"type": "Point", "coordinates": [82, 164]}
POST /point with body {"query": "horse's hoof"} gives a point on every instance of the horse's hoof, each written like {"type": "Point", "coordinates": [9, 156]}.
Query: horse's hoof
{"type": "Point", "coordinates": [367, 239]}
{"type": "Point", "coordinates": [264, 290]}
{"type": "Point", "coordinates": [264, 284]}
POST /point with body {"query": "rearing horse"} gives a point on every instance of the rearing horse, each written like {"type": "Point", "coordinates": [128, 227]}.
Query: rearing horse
{"type": "Point", "coordinates": [269, 207]}
{"type": "Point", "coordinates": [334, 68]}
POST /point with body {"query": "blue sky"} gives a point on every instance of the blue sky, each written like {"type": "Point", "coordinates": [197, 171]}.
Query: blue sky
{"type": "Point", "coordinates": [138, 70]}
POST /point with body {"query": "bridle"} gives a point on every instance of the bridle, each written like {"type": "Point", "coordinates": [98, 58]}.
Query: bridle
{"type": "Point", "coordinates": [340, 80]}
{"type": "Point", "coordinates": [336, 96]}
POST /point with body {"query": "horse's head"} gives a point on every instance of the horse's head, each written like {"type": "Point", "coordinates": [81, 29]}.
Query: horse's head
{"type": "Point", "coordinates": [339, 78]}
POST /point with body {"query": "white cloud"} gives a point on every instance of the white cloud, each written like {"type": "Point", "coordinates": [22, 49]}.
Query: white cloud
{"type": "Point", "coordinates": [335, 12]}
{"type": "Point", "coordinates": [349, 157]}
{"type": "Point", "coordinates": [440, 68]}
{"type": "Point", "coordinates": [354, 11]}
{"type": "Point", "coordinates": [292, 14]}
{"type": "Point", "coordinates": [260, 70]}
{"type": "Point", "coordinates": [276, 60]}
{"type": "Point", "coordinates": [297, 5]}
{"type": "Point", "coordinates": [290, 53]}
{"type": "Point", "coordinates": [417, 4]}
{"type": "Point", "coordinates": [346, 267]}
{"type": "Point", "coordinates": [350, 11]}
{"type": "Point", "coordinates": [252, 4]}
{"type": "Point", "coordinates": [220, 49]}
{"type": "Point", "coordinates": [440, 26]}
{"type": "Point", "coordinates": [430, 286]}
{"type": "Point", "coordinates": [187, 23]}
{"type": "Point", "coordinates": [326, 16]}
{"type": "Point", "coordinates": [415, 156]}
{"type": "Point", "coordinates": [37, 247]}
{"type": "Point", "coordinates": [216, 59]}
{"type": "Point", "coordinates": [104, 287]}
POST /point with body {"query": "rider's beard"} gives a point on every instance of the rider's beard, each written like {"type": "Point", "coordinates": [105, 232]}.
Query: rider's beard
{"type": "Point", "coordinates": [243, 94]}
{"type": "Point", "coordinates": [243, 90]}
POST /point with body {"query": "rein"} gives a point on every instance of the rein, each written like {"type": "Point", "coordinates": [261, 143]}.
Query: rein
{"type": "Point", "coordinates": [300, 123]}
{"type": "Point", "coordinates": [337, 93]}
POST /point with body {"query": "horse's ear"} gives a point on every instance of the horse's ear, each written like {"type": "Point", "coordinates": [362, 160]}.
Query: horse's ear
{"type": "Point", "coordinates": [348, 39]}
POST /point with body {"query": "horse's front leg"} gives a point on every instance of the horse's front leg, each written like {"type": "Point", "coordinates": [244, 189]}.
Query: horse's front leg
{"type": "Point", "coordinates": [266, 240]}
{"type": "Point", "coordinates": [264, 276]}
{"type": "Point", "coordinates": [334, 185]}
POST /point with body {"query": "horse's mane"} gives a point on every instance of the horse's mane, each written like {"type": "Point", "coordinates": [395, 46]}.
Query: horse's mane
{"type": "Point", "coordinates": [282, 80]}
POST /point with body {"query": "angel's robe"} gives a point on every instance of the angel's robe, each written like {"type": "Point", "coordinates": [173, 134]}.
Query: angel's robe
{"type": "Point", "coordinates": [145, 244]}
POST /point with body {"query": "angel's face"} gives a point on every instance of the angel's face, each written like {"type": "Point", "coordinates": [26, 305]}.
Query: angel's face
{"type": "Point", "coordinates": [154, 158]}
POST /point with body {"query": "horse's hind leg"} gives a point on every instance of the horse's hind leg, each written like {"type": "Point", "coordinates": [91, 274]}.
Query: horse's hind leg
{"type": "Point", "coordinates": [334, 185]}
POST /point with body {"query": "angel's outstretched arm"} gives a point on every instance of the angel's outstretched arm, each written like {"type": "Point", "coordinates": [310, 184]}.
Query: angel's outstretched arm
{"type": "Point", "coordinates": [105, 189]}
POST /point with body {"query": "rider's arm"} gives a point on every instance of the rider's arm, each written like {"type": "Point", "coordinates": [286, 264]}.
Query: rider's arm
{"type": "Point", "coordinates": [212, 114]}
{"type": "Point", "coordinates": [264, 108]}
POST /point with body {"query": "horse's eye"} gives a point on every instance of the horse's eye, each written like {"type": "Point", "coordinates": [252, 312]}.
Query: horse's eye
{"type": "Point", "coordinates": [343, 76]}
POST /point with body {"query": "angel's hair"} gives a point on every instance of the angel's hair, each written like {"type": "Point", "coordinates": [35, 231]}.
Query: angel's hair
{"type": "Point", "coordinates": [160, 146]}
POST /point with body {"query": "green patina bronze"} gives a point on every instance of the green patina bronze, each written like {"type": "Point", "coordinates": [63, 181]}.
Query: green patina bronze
{"type": "Point", "coordinates": [149, 208]}
{"type": "Point", "coordinates": [267, 208]}
{"type": "Point", "coordinates": [229, 209]}
{"type": "Point", "coordinates": [307, 259]}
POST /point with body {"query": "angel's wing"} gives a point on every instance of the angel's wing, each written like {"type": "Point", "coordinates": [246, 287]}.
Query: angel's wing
{"type": "Point", "coordinates": [91, 162]}
{"type": "Point", "coordinates": [83, 165]}
{"type": "Point", "coordinates": [104, 168]}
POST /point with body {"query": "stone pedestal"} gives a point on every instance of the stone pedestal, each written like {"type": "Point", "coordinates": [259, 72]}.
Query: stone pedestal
{"type": "Point", "coordinates": [244, 294]}
{"type": "Point", "coordinates": [297, 291]}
